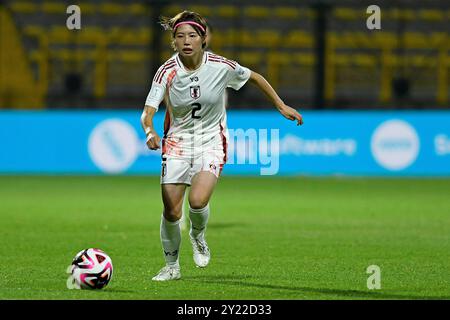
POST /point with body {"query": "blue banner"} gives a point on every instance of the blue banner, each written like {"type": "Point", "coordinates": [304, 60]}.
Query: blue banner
{"type": "Point", "coordinates": [408, 143]}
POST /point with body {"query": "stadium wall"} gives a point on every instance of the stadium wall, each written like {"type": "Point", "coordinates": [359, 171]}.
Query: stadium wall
{"type": "Point", "coordinates": [361, 143]}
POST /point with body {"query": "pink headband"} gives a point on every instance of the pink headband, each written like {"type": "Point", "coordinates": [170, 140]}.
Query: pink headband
{"type": "Point", "coordinates": [189, 22]}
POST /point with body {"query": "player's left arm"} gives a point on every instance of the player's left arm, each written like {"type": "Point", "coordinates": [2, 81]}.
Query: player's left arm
{"type": "Point", "coordinates": [285, 110]}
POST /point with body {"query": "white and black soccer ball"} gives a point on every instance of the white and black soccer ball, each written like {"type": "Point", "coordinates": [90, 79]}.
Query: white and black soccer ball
{"type": "Point", "coordinates": [90, 269]}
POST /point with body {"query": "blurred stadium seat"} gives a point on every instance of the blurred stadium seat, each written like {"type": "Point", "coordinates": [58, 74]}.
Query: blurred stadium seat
{"type": "Point", "coordinates": [227, 11]}
{"type": "Point", "coordinates": [53, 8]}
{"type": "Point", "coordinates": [287, 13]}
{"type": "Point", "coordinates": [23, 7]}
{"type": "Point", "coordinates": [256, 12]}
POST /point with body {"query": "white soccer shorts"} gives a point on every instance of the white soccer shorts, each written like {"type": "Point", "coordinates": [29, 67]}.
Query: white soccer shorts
{"type": "Point", "coordinates": [181, 170]}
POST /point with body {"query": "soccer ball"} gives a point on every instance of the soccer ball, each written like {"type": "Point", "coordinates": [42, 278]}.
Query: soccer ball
{"type": "Point", "coordinates": [90, 269]}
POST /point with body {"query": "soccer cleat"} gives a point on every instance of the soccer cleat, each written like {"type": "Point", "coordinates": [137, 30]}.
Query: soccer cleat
{"type": "Point", "coordinates": [201, 252]}
{"type": "Point", "coordinates": [168, 273]}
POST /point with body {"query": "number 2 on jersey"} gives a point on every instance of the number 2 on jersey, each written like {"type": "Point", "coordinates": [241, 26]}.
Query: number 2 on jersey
{"type": "Point", "coordinates": [196, 107]}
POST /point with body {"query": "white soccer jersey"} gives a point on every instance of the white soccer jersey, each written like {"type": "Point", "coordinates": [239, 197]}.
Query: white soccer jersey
{"type": "Point", "coordinates": [195, 100]}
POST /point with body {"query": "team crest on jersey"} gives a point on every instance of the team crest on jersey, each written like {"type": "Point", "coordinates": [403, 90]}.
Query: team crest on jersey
{"type": "Point", "coordinates": [195, 92]}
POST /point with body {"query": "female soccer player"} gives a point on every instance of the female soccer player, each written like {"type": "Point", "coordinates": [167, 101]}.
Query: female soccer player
{"type": "Point", "coordinates": [192, 84]}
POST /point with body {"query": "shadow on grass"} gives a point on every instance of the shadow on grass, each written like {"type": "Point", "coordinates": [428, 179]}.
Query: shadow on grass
{"type": "Point", "coordinates": [356, 294]}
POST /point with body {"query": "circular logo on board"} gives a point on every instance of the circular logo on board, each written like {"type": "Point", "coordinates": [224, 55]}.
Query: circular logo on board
{"type": "Point", "coordinates": [113, 145]}
{"type": "Point", "coordinates": [395, 145]}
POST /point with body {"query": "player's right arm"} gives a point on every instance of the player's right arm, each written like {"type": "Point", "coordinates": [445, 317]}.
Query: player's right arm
{"type": "Point", "coordinates": [147, 124]}
{"type": "Point", "coordinates": [154, 98]}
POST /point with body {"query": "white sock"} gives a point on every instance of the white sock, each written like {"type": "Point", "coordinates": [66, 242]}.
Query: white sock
{"type": "Point", "coordinates": [184, 221]}
{"type": "Point", "coordinates": [170, 239]}
{"type": "Point", "coordinates": [199, 219]}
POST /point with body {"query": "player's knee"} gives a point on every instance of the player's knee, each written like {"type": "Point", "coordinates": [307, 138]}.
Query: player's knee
{"type": "Point", "coordinates": [172, 215]}
{"type": "Point", "coordinates": [198, 202]}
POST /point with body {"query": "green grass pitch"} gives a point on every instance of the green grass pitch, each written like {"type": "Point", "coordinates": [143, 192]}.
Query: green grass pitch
{"type": "Point", "coordinates": [270, 238]}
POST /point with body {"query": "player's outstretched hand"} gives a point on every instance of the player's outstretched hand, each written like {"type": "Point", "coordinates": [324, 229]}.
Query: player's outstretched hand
{"type": "Point", "coordinates": [153, 141]}
{"type": "Point", "coordinates": [291, 114]}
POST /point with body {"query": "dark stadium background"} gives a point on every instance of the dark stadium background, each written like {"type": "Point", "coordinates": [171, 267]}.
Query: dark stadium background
{"type": "Point", "coordinates": [317, 54]}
